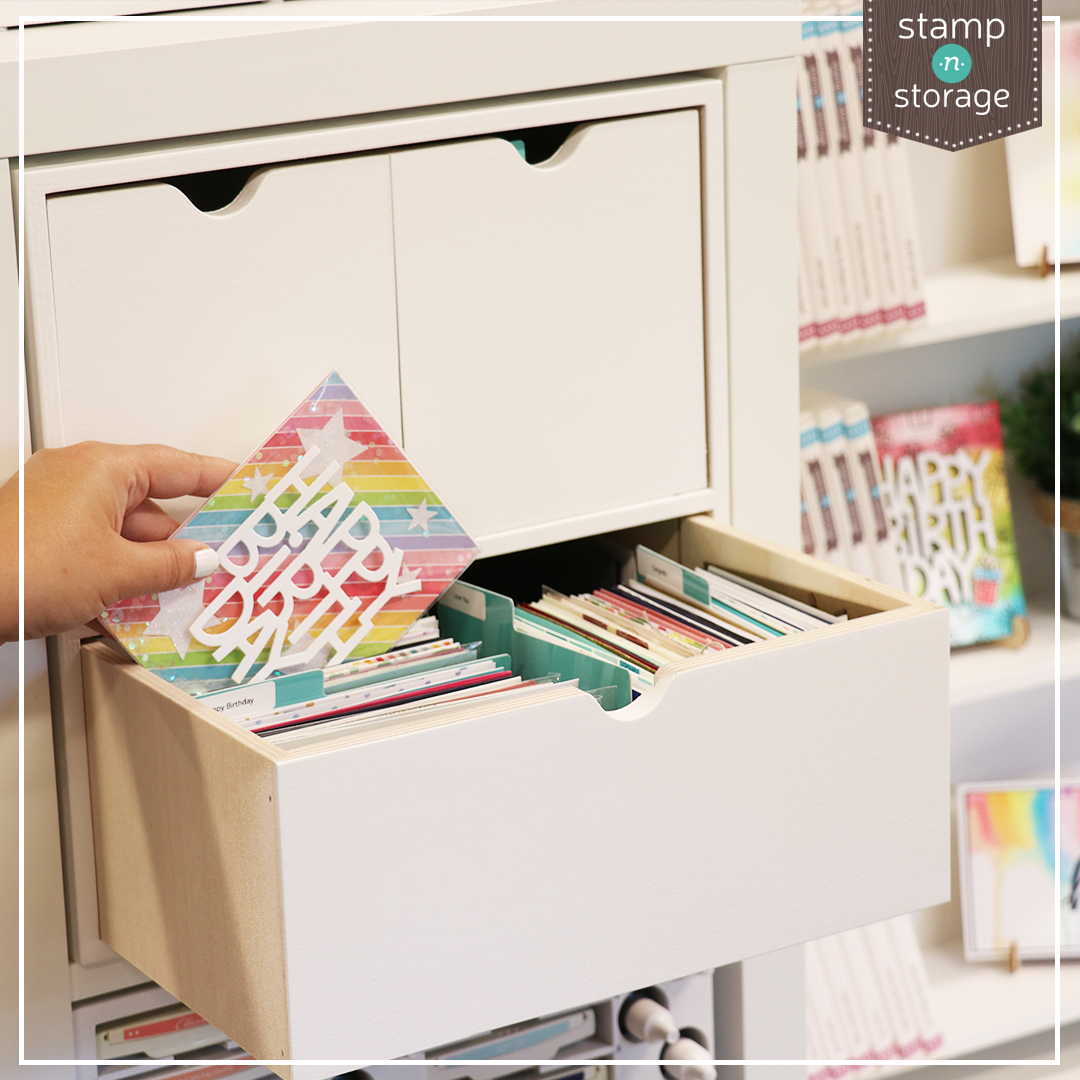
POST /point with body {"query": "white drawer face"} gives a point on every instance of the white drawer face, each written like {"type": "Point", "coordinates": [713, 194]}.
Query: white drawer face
{"type": "Point", "coordinates": [552, 350]}
{"type": "Point", "coordinates": [372, 898]}
{"type": "Point", "coordinates": [202, 330]}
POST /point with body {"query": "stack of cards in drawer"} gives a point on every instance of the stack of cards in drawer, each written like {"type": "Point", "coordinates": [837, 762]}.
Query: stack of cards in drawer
{"type": "Point", "coordinates": [614, 641]}
{"type": "Point", "coordinates": [374, 691]}
{"type": "Point", "coordinates": [868, 1000]}
{"type": "Point", "coordinates": [610, 643]}
{"type": "Point", "coordinates": [669, 613]}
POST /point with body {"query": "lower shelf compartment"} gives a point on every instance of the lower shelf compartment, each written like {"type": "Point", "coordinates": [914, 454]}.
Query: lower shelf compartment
{"type": "Point", "coordinates": [376, 898]}
{"type": "Point", "coordinates": [983, 1005]}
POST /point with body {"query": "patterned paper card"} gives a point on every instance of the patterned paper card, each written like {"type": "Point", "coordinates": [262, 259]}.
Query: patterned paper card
{"type": "Point", "coordinates": [331, 545]}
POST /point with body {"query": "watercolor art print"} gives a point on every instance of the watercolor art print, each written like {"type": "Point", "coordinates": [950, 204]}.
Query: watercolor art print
{"type": "Point", "coordinates": [331, 545]}
{"type": "Point", "coordinates": [1008, 887]}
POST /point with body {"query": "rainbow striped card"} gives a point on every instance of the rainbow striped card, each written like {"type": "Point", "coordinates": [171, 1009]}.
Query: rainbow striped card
{"type": "Point", "coordinates": [331, 545]}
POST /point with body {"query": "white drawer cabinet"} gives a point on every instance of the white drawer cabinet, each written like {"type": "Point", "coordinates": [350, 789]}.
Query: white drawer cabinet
{"type": "Point", "coordinates": [373, 898]}
{"type": "Point", "coordinates": [152, 320]}
{"type": "Point", "coordinates": [540, 329]}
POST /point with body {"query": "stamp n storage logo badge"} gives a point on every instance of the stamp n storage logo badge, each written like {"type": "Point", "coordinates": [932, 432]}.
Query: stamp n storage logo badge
{"type": "Point", "coordinates": [952, 73]}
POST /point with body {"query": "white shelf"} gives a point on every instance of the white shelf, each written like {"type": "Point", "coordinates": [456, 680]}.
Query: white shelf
{"type": "Point", "coordinates": [991, 671]}
{"type": "Point", "coordinates": [982, 1005]}
{"type": "Point", "coordinates": [979, 298]}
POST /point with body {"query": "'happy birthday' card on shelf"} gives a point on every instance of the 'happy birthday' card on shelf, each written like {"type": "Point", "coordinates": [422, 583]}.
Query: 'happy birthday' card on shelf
{"type": "Point", "coordinates": [330, 546]}
{"type": "Point", "coordinates": [944, 479]}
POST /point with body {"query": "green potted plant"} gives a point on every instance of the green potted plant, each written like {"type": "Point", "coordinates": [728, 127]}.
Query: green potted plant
{"type": "Point", "coordinates": [1028, 422]}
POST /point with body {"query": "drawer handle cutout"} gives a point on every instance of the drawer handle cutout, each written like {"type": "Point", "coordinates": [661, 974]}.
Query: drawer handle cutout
{"type": "Point", "coordinates": [540, 143]}
{"type": "Point", "coordinates": [209, 191]}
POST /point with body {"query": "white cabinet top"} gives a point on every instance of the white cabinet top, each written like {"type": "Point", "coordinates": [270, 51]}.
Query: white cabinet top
{"type": "Point", "coordinates": [238, 68]}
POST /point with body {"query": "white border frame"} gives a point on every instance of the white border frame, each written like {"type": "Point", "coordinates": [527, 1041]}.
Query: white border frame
{"type": "Point", "coordinates": [22, 333]}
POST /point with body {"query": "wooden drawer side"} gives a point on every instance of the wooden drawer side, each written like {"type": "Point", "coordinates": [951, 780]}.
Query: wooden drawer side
{"type": "Point", "coordinates": [187, 851]}
{"type": "Point", "coordinates": [704, 540]}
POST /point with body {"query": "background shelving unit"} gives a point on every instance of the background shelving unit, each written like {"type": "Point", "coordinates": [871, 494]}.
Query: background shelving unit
{"type": "Point", "coordinates": [976, 298]}
{"type": "Point", "coordinates": [987, 323]}
{"type": "Point", "coordinates": [973, 285]}
{"type": "Point", "coordinates": [986, 673]}
{"type": "Point", "coordinates": [988, 1011]}
{"type": "Point", "coordinates": [983, 1006]}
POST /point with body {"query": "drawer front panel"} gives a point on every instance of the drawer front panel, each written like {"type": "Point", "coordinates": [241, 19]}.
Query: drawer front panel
{"type": "Point", "coordinates": [503, 867]}
{"type": "Point", "coordinates": [192, 328]}
{"type": "Point", "coordinates": [552, 355]}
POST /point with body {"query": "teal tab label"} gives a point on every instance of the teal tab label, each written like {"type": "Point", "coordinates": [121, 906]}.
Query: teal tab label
{"type": "Point", "coordinates": [695, 587]}
{"type": "Point", "coordinates": [299, 687]}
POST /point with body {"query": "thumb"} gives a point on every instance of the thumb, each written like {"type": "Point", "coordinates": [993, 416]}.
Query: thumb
{"type": "Point", "coordinates": [163, 565]}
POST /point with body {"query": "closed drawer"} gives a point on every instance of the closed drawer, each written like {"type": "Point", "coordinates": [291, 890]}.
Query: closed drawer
{"type": "Point", "coordinates": [376, 898]}
{"type": "Point", "coordinates": [191, 328]}
{"type": "Point", "coordinates": [550, 320]}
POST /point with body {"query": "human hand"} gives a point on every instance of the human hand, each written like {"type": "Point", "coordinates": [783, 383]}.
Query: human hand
{"type": "Point", "coordinates": [92, 536]}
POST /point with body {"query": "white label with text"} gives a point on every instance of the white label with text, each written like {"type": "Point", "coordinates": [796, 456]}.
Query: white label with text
{"type": "Point", "coordinates": [244, 701]}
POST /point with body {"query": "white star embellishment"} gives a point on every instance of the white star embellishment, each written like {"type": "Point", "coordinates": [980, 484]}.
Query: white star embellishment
{"type": "Point", "coordinates": [259, 484]}
{"type": "Point", "coordinates": [407, 574]}
{"type": "Point", "coordinates": [334, 445]}
{"type": "Point", "coordinates": [178, 611]}
{"type": "Point", "coordinates": [421, 516]}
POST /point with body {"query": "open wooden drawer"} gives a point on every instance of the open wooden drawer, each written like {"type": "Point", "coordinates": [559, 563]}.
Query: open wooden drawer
{"type": "Point", "coordinates": [367, 901]}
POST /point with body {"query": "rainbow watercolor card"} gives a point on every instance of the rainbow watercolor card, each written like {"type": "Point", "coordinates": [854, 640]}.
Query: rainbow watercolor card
{"type": "Point", "coordinates": [330, 543]}
{"type": "Point", "coordinates": [1009, 891]}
